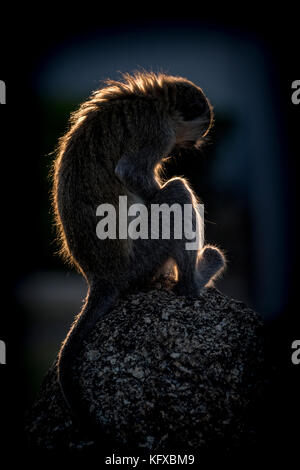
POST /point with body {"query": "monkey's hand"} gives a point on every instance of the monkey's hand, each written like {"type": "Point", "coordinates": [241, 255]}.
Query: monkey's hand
{"type": "Point", "coordinates": [138, 179]}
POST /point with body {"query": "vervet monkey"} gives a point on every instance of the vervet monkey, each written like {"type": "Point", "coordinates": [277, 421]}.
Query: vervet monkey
{"type": "Point", "coordinates": [115, 145]}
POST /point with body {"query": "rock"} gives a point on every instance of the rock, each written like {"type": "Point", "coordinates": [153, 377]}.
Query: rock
{"type": "Point", "coordinates": [162, 373]}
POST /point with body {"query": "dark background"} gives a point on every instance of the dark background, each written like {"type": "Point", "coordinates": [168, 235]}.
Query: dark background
{"type": "Point", "coordinates": [246, 175]}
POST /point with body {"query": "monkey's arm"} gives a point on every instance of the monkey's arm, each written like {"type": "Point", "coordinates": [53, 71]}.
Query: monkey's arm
{"type": "Point", "coordinates": [137, 174]}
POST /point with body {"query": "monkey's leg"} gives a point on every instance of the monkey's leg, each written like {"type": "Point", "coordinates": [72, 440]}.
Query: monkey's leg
{"type": "Point", "coordinates": [196, 267]}
{"type": "Point", "coordinates": [149, 255]}
{"type": "Point", "coordinates": [178, 191]}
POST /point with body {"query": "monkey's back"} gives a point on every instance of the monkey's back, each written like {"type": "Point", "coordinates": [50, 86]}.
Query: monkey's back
{"type": "Point", "coordinates": [84, 179]}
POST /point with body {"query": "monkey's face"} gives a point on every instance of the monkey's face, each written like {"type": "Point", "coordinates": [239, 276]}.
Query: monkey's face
{"type": "Point", "coordinates": [194, 115]}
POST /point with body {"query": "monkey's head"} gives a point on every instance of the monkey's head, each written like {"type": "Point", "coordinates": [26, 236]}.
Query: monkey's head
{"type": "Point", "coordinates": [190, 110]}
{"type": "Point", "coordinates": [193, 113]}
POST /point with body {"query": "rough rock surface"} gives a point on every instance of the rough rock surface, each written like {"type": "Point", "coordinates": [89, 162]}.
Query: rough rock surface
{"type": "Point", "coordinates": [162, 372]}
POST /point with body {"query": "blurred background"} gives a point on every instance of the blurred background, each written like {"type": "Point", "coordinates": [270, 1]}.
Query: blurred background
{"type": "Point", "coordinates": [240, 175]}
{"type": "Point", "coordinates": [245, 175]}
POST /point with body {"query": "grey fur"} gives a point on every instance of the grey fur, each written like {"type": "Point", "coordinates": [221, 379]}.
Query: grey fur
{"type": "Point", "coordinates": [115, 145]}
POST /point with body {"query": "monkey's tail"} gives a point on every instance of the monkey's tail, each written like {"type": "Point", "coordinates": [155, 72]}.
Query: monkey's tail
{"type": "Point", "coordinates": [210, 264]}
{"type": "Point", "coordinates": [100, 299]}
